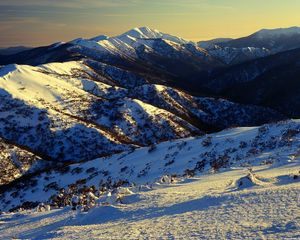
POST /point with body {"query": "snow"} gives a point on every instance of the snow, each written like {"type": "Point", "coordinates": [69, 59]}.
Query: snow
{"type": "Point", "coordinates": [147, 33]}
{"type": "Point", "coordinates": [129, 44]}
{"type": "Point", "coordinates": [34, 83]}
{"type": "Point", "coordinates": [230, 55]}
{"type": "Point", "coordinates": [126, 45]}
{"type": "Point", "coordinates": [99, 38]}
{"type": "Point", "coordinates": [239, 183]}
{"type": "Point", "coordinates": [270, 145]}
{"type": "Point", "coordinates": [203, 207]}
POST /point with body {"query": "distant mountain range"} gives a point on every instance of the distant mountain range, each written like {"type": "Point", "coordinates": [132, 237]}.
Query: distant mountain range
{"type": "Point", "coordinates": [88, 98]}
{"type": "Point", "coordinates": [13, 50]}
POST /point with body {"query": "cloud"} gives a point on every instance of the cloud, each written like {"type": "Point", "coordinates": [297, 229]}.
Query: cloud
{"type": "Point", "coordinates": [84, 4]}
{"type": "Point", "coordinates": [66, 3]}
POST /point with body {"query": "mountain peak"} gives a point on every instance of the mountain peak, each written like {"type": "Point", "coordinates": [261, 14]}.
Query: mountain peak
{"type": "Point", "coordinates": [99, 38]}
{"type": "Point", "coordinates": [149, 33]}
{"type": "Point", "coordinates": [143, 32]}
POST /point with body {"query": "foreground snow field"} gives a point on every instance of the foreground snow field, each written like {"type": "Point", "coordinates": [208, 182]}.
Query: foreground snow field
{"type": "Point", "coordinates": [273, 144]}
{"type": "Point", "coordinates": [226, 205]}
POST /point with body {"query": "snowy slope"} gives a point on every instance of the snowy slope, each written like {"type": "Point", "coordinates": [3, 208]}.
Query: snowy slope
{"type": "Point", "coordinates": [271, 145]}
{"type": "Point", "coordinates": [259, 44]}
{"type": "Point", "coordinates": [204, 207]}
{"type": "Point", "coordinates": [231, 55]}
{"type": "Point", "coordinates": [147, 33]}
{"type": "Point", "coordinates": [86, 112]}
{"type": "Point", "coordinates": [16, 161]}
{"type": "Point", "coordinates": [52, 99]}
{"type": "Point", "coordinates": [148, 38]}
{"type": "Point", "coordinates": [274, 40]}
{"type": "Point", "coordinates": [271, 33]}
{"type": "Point", "coordinates": [126, 45]}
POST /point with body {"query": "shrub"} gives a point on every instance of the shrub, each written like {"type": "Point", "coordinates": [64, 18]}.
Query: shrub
{"type": "Point", "coordinates": [152, 148]}
{"type": "Point", "coordinates": [91, 170]}
{"type": "Point", "coordinates": [243, 144]}
{"type": "Point", "coordinates": [76, 170]}
{"type": "Point", "coordinates": [170, 162]}
{"type": "Point", "coordinates": [207, 142]}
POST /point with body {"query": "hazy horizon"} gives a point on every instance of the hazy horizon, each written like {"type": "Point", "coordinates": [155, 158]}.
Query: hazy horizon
{"type": "Point", "coordinates": [36, 23]}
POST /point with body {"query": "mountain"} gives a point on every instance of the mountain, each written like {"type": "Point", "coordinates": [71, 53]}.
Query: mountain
{"type": "Point", "coordinates": [211, 43]}
{"type": "Point", "coordinates": [147, 33]}
{"type": "Point", "coordinates": [160, 58]}
{"type": "Point", "coordinates": [155, 129]}
{"type": "Point", "coordinates": [70, 112]}
{"type": "Point", "coordinates": [41, 55]}
{"type": "Point", "coordinates": [17, 161]}
{"type": "Point", "coordinates": [257, 45]}
{"type": "Point", "coordinates": [233, 56]}
{"type": "Point", "coordinates": [271, 81]}
{"type": "Point", "coordinates": [164, 59]}
{"type": "Point", "coordinates": [100, 96]}
{"type": "Point", "coordinates": [275, 40]}
{"type": "Point", "coordinates": [13, 50]}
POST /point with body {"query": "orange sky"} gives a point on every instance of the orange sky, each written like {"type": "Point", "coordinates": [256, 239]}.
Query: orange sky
{"type": "Point", "coordinates": [41, 22]}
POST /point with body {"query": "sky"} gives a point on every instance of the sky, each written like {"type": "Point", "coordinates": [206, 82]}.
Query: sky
{"type": "Point", "coordinates": [42, 22]}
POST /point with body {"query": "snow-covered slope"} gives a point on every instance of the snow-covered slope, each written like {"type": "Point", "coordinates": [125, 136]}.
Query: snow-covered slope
{"type": "Point", "coordinates": [231, 55]}
{"type": "Point", "coordinates": [211, 43]}
{"type": "Point", "coordinates": [52, 100]}
{"type": "Point", "coordinates": [107, 112]}
{"type": "Point", "coordinates": [274, 40]}
{"type": "Point", "coordinates": [259, 44]}
{"type": "Point", "coordinates": [62, 99]}
{"type": "Point", "coordinates": [271, 33]}
{"type": "Point", "coordinates": [205, 207]}
{"type": "Point", "coordinates": [147, 33]}
{"type": "Point", "coordinates": [16, 162]}
{"type": "Point", "coordinates": [269, 145]}
{"type": "Point", "coordinates": [126, 45]}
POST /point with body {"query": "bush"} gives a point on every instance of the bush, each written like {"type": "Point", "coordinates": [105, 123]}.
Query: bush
{"type": "Point", "coordinates": [243, 144]}
{"type": "Point", "coordinates": [52, 185]}
{"type": "Point", "coordinates": [76, 170]}
{"type": "Point", "coordinates": [189, 173]}
{"type": "Point", "coordinates": [152, 148]}
{"type": "Point", "coordinates": [207, 142]}
{"type": "Point", "coordinates": [91, 170]}
{"type": "Point", "coordinates": [169, 163]}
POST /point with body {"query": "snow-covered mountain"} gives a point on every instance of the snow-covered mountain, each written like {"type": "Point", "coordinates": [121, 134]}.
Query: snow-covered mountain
{"type": "Point", "coordinates": [69, 112]}
{"type": "Point", "coordinates": [152, 41]}
{"type": "Point", "coordinates": [211, 43]}
{"type": "Point", "coordinates": [232, 55]}
{"type": "Point", "coordinates": [259, 44]}
{"type": "Point", "coordinates": [275, 40]}
{"type": "Point", "coordinates": [17, 161]}
{"type": "Point", "coordinates": [146, 110]}
{"type": "Point", "coordinates": [160, 58]}
{"type": "Point", "coordinates": [271, 81]}
{"type": "Point", "coordinates": [126, 45]}
{"type": "Point", "coordinates": [147, 33]}
{"type": "Point", "coordinates": [111, 94]}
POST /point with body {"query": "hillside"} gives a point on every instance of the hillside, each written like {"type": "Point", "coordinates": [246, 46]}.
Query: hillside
{"type": "Point", "coordinates": [271, 145]}
{"type": "Point", "coordinates": [230, 204]}
{"type": "Point", "coordinates": [146, 135]}
{"type": "Point", "coordinates": [69, 112]}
